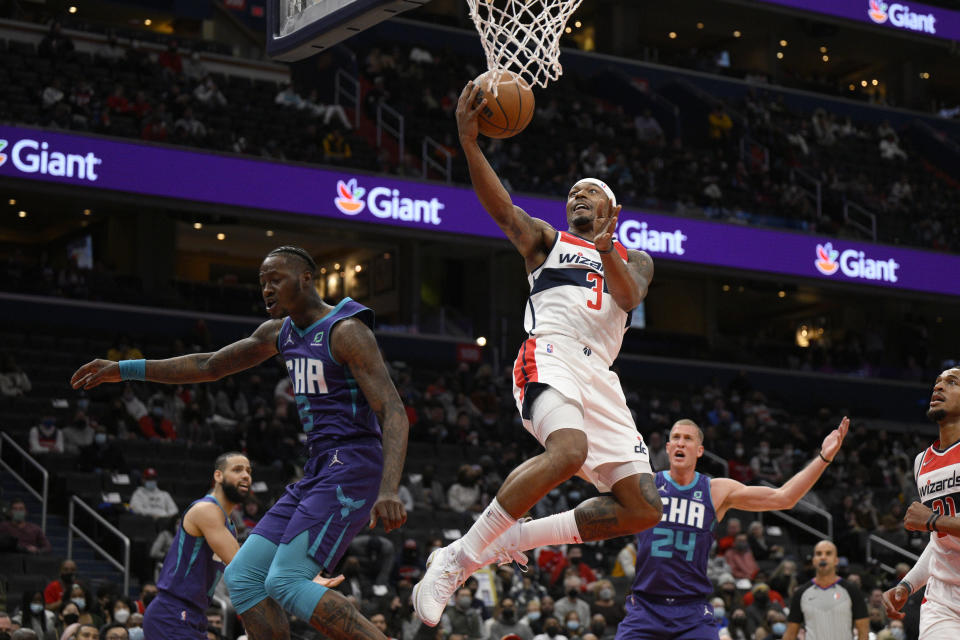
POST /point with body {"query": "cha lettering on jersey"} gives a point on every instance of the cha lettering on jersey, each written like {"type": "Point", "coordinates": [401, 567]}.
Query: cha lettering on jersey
{"type": "Point", "coordinates": [683, 511]}
{"type": "Point", "coordinates": [307, 374]}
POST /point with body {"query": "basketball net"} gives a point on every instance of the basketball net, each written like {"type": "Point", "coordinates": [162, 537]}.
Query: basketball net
{"type": "Point", "coordinates": [522, 36]}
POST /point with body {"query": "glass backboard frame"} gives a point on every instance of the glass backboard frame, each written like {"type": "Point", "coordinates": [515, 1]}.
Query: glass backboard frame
{"type": "Point", "coordinates": [327, 23]}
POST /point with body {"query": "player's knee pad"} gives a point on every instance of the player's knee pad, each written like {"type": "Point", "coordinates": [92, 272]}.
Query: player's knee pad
{"type": "Point", "coordinates": [290, 579]}
{"type": "Point", "coordinates": [553, 411]}
{"type": "Point", "coordinates": [247, 572]}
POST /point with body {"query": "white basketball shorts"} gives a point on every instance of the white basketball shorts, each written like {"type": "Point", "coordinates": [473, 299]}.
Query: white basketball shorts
{"type": "Point", "coordinates": [615, 448]}
{"type": "Point", "coordinates": [940, 611]}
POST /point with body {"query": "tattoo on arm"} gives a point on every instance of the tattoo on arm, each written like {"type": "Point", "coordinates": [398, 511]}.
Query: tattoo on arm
{"type": "Point", "coordinates": [354, 345]}
{"type": "Point", "coordinates": [641, 268]}
{"type": "Point", "coordinates": [205, 367]}
{"type": "Point", "coordinates": [649, 490]}
{"type": "Point", "coordinates": [266, 621]}
{"type": "Point", "coordinates": [339, 620]}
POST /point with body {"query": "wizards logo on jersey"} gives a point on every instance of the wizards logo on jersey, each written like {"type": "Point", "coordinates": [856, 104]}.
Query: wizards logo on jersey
{"type": "Point", "coordinates": [579, 258]}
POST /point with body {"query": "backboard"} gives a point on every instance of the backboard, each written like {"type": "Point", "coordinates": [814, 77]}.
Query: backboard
{"type": "Point", "coordinates": [297, 29]}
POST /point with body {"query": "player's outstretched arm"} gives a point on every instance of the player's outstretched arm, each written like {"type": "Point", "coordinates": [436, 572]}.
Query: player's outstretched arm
{"type": "Point", "coordinates": [195, 367]}
{"type": "Point", "coordinates": [529, 235]}
{"type": "Point", "coordinates": [354, 345]}
{"type": "Point", "coordinates": [731, 494]}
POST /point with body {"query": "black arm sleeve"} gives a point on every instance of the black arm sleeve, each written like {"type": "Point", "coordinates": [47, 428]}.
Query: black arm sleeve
{"type": "Point", "coordinates": [858, 609]}
{"type": "Point", "coordinates": [796, 611]}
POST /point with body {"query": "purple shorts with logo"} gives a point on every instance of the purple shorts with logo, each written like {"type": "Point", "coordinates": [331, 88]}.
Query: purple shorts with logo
{"type": "Point", "coordinates": [332, 501]}
{"type": "Point", "coordinates": [663, 619]}
{"type": "Point", "coordinates": [168, 618]}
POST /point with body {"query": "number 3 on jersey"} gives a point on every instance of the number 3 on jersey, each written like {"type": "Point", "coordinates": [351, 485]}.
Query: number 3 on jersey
{"type": "Point", "coordinates": [597, 281]}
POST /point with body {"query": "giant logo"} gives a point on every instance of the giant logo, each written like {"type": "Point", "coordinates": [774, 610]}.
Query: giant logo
{"type": "Point", "coordinates": [900, 15]}
{"type": "Point", "coordinates": [634, 234]}
{"type": "Point", "coordinates": [854, 263]}
{"type": "Point", "coordinates": [384, 203]}
{"type": "Point", "coordinates": [877, 11]}
{"type": "Point", "coordinates": [827, 259]}
{"type": "Point", "coordinates": [348, 197]}
{"type": "Point", "coordinates": [35, 156]}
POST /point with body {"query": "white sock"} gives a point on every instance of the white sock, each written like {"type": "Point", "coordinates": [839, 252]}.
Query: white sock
{"type": "Point", "coordinates": [560, 528]}
{"type": "Point", "coordinates": [489, 526]}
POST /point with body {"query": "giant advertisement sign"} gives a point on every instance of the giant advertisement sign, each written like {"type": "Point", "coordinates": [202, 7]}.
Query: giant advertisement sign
{"type": "Point", "coordinates": [376, 200]}
{"type": "Point", "coordinates": [904, 16]}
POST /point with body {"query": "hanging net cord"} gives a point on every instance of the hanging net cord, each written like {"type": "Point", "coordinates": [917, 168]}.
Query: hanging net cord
{"type": "Point", "coordinates": [522, 36]}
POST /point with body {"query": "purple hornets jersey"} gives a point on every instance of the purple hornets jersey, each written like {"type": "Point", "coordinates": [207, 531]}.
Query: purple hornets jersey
{"type": "Point", "coordinates": [191, 570]}
{"type": "Point", "coordinates": [330, 404]}
{"type": "Point", "coordinates": [672, 557]}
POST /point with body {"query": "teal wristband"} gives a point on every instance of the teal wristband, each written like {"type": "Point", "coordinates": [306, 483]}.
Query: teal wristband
{"type": "Point", "coordinates": [133, 369]}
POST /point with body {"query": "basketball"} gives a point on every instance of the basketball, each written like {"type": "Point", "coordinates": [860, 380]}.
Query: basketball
{"type": "Point", "coordinates": [510, 111]}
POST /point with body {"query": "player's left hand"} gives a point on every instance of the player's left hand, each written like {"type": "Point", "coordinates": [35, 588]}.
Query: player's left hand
{"type": "Point", "coordinates": [917, 516]}
{"type": "Point", "coordinates": [831, 444]}
{"type": "Point", "coordinates": [390, 510]}
{"type": "Point", "coordinates": [604, 225]}
{"type": "Point", "coordinates": [329, 583]}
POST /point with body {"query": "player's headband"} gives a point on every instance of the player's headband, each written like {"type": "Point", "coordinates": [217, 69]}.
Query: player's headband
{"type": "Point", "coordinates": [603, 186]}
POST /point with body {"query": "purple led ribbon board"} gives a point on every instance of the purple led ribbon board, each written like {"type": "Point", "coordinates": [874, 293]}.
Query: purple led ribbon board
{"type": "Point", "coordinates": [912, 17]}
{"type": "Point", "coordinates": [350, 196]}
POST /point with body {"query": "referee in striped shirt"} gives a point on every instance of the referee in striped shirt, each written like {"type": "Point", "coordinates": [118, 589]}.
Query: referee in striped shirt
{"type": "Point", "coordinates": [828, 607]}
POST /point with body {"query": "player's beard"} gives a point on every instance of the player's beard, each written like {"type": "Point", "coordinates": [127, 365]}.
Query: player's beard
{"type": "Point", "coordinates": [937, 415]}
{"type": "Point", "coordinates": [232, 492]}
{"type": "Point", "coordinates": [581, 221]}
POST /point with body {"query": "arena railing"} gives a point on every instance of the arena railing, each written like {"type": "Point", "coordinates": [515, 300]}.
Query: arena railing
{"type": "Point", "coordinates": [395, 128]}
{"type": "Point", "coordinates": [877, 540]}
{"type": "Point", "coordinates": [72, 529]}
{"type": "Point", "coordinates": [432, 146]}
{"type": "Point", "coordinates": [859, 218]}
{"type": "Point", "coordinates": [816, 195]}
{"type": "Point", "coordinates": [347, 87]}
{"type": "Point", "coordinates": [6, 440]}
{"type": "Point", "coordinates": [804, 504]}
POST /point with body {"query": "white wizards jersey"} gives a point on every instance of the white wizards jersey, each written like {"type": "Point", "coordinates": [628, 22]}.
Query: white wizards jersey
{"type": "Point", "coordinates": [938, 483]}
{"type": "Point", "coordinates": [569, 297]}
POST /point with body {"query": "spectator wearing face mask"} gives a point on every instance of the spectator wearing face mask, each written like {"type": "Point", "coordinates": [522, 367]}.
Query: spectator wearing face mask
{"type": "Point", "coordinates": [69, 615]}
{"type": "Point", "coordinates": [740, 558]}
{"type": "Point", "coordinates": [572, 625]}
{"type": "Point", "coordinates": [720, 612]}
{"type": "Point", "coordinates": [86, 605]}
{"type": "Point", "coordinates": [600, 628]}
{"type": "Point", "coordinates": [554, 502]}
{"type": "Point", "coordinates": [505, 621]}
{"type": "Point", "coordinates": [572, 601]}
{"type": "Point", "coordinates": [46, 437]}
{"type": "Point", "coordinates": [464, 494]}
{"type": "Point", "coordinates": [575, 561]}
{"type": "Point", "coordinates": [533, 618]}
{"type": "Point", "coordinates": [29, 537]}
{"type": "Point", "coordinates": [737, 630]}
{"type": "Point", "coordinates": [57, 593]}
{"type": "Point", "coordinates": [462, 618]}
{"type": "Point", "coordinates": [551, 630]}
{"type": "Point", "coordinates": [120, 611]}
{"type": "Point", "coordinates": [135, 626]}
{"type": "Point", "coordinates": [33, 615]}
{"type": "Point", "coordinates": [605, 603]}
{"type": "Point", "coordinates": [150, 500]}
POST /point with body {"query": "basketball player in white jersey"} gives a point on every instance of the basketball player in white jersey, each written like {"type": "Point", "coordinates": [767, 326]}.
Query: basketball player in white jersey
{"type": "Point", "coordinates": [937, 471]}
{"type": "Point", "coordinates": [583, 286]}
